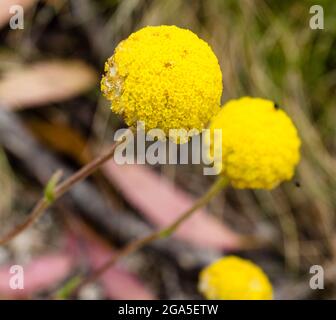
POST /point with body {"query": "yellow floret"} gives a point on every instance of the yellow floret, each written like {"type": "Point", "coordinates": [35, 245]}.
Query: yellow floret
{"type": "Point", "coordinates": [260, 144]}
{"type": "Point", "coordinates": [165, 77]}
{"type": "Point", "coordinates": [233, 278]}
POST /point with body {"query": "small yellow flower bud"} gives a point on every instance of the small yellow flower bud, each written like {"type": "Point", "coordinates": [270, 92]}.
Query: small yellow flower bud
{"type": "Point", "coordinates": [233, 278]}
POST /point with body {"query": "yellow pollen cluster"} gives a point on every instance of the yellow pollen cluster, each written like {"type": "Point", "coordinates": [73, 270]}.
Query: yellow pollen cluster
{"type": "Point", "coordinates": [233, 278]}
{"type": "Point", "coordinates": [165, 77]}
{"type": "Point", "coordinates": [260, 144]}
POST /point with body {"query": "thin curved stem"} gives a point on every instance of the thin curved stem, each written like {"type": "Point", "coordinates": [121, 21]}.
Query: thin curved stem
{"type": "Point", "coordinates": [59, 190]}
{"type": "Point", "coordinates": [39, 208]}
{"type": "Point", "coordinates": [137, 244]}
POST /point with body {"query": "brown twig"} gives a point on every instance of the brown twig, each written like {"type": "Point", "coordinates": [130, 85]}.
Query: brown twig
{"type": "Point", "coordinates": [60, 189]}
{"type": "Point", "coordinates": [218, 185]}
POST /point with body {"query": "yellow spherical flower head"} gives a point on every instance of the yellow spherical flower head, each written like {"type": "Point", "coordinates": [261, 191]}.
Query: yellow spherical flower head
{"type": "Point", "coordinates": [233, 278]}
{"type": "Point", "coordinates": [260, 144]}
{"type": "Point", "coordinates": [165, 77]}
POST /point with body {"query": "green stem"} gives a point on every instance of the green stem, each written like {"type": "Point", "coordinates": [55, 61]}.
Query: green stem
{"type": "Point", "coordinates": [55, 190]}
{"type": "Point", "coordinates": [137, 244]}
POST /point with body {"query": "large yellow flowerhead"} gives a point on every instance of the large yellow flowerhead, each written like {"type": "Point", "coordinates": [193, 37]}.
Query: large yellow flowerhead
{"type": "Point", "coordinates": [233, 278]}
{"type": "Point", "coordinates": [260, 144]}
{"type": "Point", "coordinates": [165, 77]}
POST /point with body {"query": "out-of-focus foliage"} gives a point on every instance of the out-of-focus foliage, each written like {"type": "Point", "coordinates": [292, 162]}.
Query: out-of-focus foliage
{"type": "Point", "coordinates": [7, 186]}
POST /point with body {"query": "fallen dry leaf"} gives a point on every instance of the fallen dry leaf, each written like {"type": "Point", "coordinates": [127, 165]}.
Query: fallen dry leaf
{"type": "Point", "coordinates": [62, 138]}
{"type": "Point", "coordinates": [5, 15]}
{"type": "Point", "coordinates": [45, 82]}
{"type": "Point", "coordinates": [40, 274]}
{"type": "Point", "coordinates": [161, 203]}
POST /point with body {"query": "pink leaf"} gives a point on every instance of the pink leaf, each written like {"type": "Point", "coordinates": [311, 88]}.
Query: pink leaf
{"type": "Point", "coordinates": [161, 203]}
{"type": "Point", "coordinates": [45, 82]}
{"type": "Point", "coordinates": [118, 283]}
{"type": "Point", "coordinates": [40, 274]}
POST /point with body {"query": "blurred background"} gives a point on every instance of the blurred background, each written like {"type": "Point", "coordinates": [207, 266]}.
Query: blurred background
{"type": "Point", "coordinates": [52, 116]}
